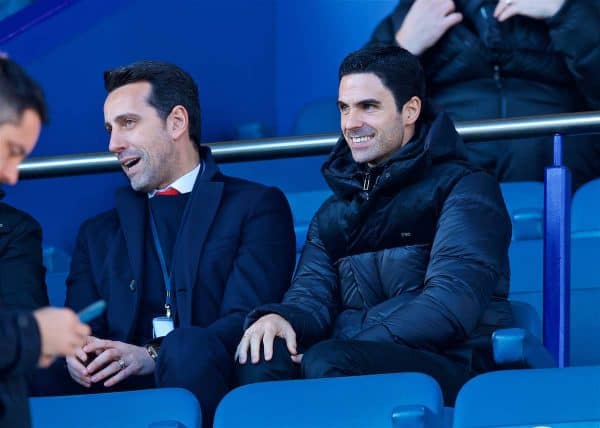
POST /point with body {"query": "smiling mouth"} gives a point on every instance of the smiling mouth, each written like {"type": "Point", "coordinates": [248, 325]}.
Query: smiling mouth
{"type": "Point", "coordinates": [130, 163]}
{"type": "Point", "coordinates": [362, 139]}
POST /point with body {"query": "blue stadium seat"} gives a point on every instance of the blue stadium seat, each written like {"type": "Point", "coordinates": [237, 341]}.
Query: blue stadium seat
{"type": "Point", "coordinates": [525, 204]}
{"type": "Point", "coordinates": [161, 407]}
{"type": "Point", "coordinates": [585, 301]}
{"type": "Point", "coordinates": [318, 117]}
{"type": "Point", "coordinates": [567, 397]}
{"type": "Point", "coordinates": [304, 205]}
{"type": "Point", "coordinates": [585, 214]}
{"type": "Point", "coordinates": [410, 400]}
{"type": "Point", "coordinates": [521, 346]}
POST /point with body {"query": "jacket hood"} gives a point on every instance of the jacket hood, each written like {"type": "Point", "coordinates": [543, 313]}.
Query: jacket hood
{"type": "Point", "coordinates": [435, 141]}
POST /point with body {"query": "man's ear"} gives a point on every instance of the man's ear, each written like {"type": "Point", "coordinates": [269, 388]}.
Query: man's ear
{"type": "Point", "coordinates": [411, 110]}
{"type": "Point", "coordinates": [177, 122]}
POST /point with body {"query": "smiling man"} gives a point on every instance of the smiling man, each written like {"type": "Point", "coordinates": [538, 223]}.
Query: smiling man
{"type": "Point", "coordinates": [183, 258]}
{"type": "Point", "coordinates": [405, 267]}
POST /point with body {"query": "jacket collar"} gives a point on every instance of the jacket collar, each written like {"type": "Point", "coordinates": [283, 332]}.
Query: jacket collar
{"type": "Point", "coordinates": [434, 141]}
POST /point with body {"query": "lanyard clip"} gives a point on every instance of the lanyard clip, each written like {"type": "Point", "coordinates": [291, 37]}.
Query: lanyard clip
{"type": "Point", "coordinates": [168, 309]}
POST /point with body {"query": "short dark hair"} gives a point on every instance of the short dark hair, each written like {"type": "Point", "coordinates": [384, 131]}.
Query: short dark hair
{"type": "Point", "coordinates": [398, 69]}
{"type": "Point", "coordinates": [171, 86]}
{"type": "Point", "coordinates": [19, 92]}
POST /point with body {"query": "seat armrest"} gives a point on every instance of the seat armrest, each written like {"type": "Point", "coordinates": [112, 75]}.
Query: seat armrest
{"type": "Point", "coordinates": [516, 347]}
{"type": "Point", "coordinates": [415, 416]}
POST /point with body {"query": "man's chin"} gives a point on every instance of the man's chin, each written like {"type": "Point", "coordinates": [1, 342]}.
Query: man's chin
{"type": "Point", "coordinates": [139, 187]}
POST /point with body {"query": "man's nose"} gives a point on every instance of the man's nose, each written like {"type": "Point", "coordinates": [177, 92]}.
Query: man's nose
{"type": "Point", "coordinates": [116, 143]}
{"type": "Point", "coordinates": [353, 120]}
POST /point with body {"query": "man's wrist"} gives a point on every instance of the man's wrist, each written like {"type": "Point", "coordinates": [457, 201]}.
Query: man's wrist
{"type": "Point", "coordinates": [152, 350]}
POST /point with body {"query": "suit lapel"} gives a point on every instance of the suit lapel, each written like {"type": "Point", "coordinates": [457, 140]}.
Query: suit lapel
{"type": "Point", "coordinates": [195, 224]}
{"type": "Point", "coordinates": [131, 209]}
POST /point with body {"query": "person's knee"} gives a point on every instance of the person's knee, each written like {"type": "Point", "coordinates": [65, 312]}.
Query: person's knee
{"type": "Point", "coordinates": [325, 359]}
{"type": "Point", "coordinates": [189, 356]}
{"type": "Point", "coordinates": [278, 368]}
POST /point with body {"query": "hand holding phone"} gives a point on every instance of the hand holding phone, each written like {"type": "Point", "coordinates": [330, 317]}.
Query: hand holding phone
{"type": "Point", "coordinates": [92, 311]}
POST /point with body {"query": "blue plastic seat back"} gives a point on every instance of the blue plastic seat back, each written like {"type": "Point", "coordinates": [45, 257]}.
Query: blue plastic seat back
{"type": "Point", "coordinates": [160, 407]}
{"type": "Point", "coordinates": [318, 117]}
{"type": "Point", "coordinates": [408, 399]}
{"type": "Point", "coordinates": [304, 205]}
{"type": "Point", "coordinates": [57, 263]}
{"type": "Point", "coordinates": [517, 398]}
{"type": "Point", "coordinates": [585, 214]}
{"type": "Point", "coordinates": [525, 204]}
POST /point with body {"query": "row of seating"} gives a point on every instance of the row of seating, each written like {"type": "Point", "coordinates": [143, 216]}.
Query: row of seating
{"type": "Point", "coordinates": [557, 398]}
{"type": "Point", "coordinates": [523, 200]}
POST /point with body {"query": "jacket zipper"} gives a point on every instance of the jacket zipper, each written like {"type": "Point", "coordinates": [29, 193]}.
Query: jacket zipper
{"type": "Point", "coordinates": [498, 80]}
{"type": "Point", "coordinates": [367, 185]}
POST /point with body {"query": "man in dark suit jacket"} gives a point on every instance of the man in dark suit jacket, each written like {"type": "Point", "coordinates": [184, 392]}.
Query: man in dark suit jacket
{"type": "Point", "coordinates": [186, 254]}
{"type": "Point", "coordinates": [22, 283]}
{"type": "Point", "coordinates": [27, 339]}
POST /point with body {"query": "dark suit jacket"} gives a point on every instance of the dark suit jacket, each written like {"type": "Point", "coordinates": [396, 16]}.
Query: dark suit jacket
{"type": "Point", "coordinates": [235, 250]}
{"type": "Point", "coordinates": [22, 284]}
{"type": "Point", "coordinates": [22, 288]}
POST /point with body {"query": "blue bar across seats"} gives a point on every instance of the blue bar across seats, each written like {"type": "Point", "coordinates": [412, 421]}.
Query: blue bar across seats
{"type": "Point", "coordinates": [411, 400]}
{"type": "Point", "coordinates": [160, 407]}
{"type": "Point", "coordinates": [568, 397]}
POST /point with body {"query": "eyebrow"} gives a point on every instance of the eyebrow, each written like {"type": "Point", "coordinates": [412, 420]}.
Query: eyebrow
{"type": "Point", "coordinates": [370, 101]}
{"type": "Point", "coordinates": [367, 101]}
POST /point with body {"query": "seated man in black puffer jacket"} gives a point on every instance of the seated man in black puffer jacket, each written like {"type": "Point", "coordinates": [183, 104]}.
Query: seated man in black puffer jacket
{"type": "Point", "coordinates": [405, 267]}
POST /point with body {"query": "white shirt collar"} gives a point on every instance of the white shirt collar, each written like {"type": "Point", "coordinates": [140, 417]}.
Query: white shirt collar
{"type": "Point", "coordinates": [183, 184]}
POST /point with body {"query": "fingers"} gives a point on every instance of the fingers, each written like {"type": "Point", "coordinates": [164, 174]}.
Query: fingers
{"type": "Point", "coordinates": [78, 372]}
{"type": "Point", "coordinates": [290, 340]}
{"type": "Point", "coordinates": [112, 368]}
{"type": "Point", "coordinates": [102, 360]}
{"type": "Point", "coordinates": [81, 355]}
{"type": "Point", "coordinates": [255, 341]}
{"type": "Point", "coordinates": [268, 344]}
{"type": "Point", "coordinates": [83, 330]}
{"type": "Point", "coordinates": [242, 349]}
{"type": "Point", "coordinates": [451, 20]}
{"type": "Point", "coordinates": [95, 344]}
{"type": "Point", "coordinates": [504, 10]}
{"type": "Point", "coordinates": [448, 7]}
{"type": "Point", "coordinates": [120, 376]}
{"type": "Point", "coordinates": [297, 358]}
{"type": "Point", "coordinates": [45, 361]}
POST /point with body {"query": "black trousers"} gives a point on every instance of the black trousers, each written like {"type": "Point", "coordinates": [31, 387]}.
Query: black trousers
{"type": "Point", "coordinates": [333, 358]}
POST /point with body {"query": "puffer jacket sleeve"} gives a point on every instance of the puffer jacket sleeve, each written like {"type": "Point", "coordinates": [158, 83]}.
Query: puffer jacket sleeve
{"type": "Point", "coordinates": [385, 32]}
{"type": "Point", "coordinates": [310, 305]}
{"type": "Point", "coordinates": [468, 257]}
{"type": "Point", "coordinates": [574, 33]}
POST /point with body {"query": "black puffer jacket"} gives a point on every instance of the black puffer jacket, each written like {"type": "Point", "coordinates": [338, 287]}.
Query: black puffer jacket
{"type": "Point", "coordinates": [483, 69]}
{"type": "Point", "coordinates": [419, 258]}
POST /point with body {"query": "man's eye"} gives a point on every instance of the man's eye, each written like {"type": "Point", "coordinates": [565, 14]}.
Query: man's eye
{"type": "Point", "coordinates": [129, 123]}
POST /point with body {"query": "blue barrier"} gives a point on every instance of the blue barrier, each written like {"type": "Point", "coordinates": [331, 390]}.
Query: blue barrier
{"type": "Point", "coordinates": [557, 248]}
